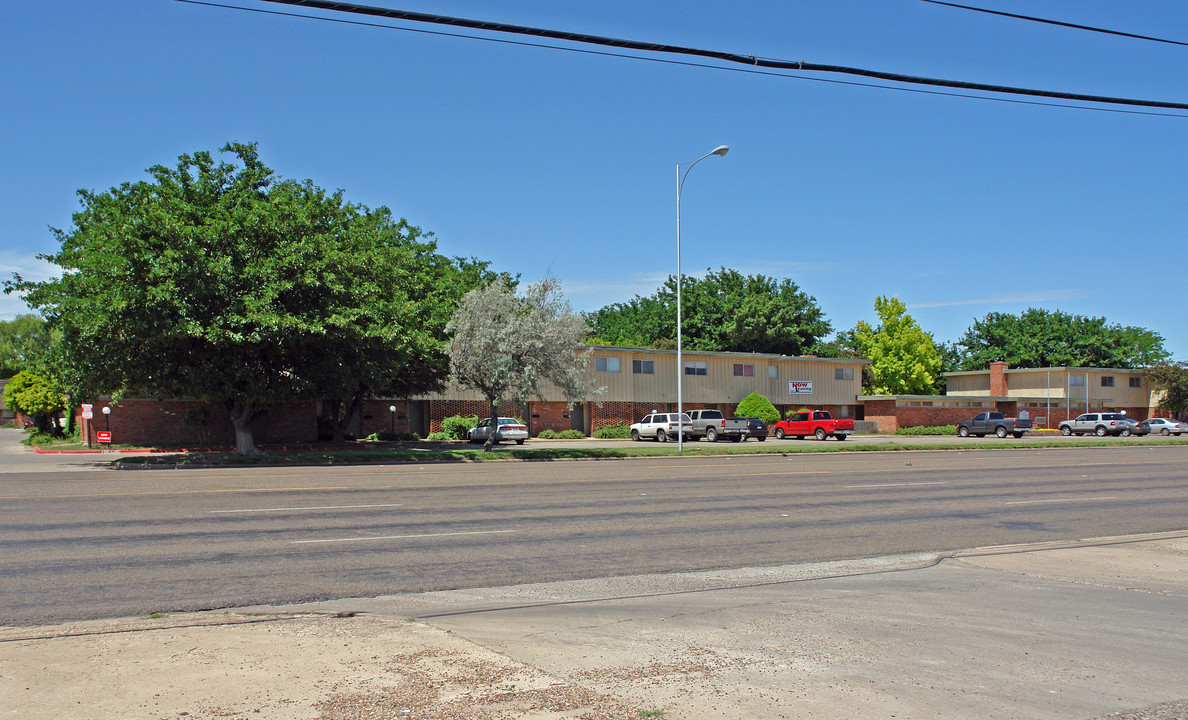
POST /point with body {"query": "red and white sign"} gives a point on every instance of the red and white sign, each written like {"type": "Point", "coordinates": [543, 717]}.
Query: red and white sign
{"type": "Point", "coordinates": [800, 387]}
{"type": "Point", "coordinates": [88, 411]}
{"type": "Point", "coordinates": [103, 436]}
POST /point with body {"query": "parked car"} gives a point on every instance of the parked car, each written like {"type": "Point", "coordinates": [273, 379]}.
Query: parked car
{"type": "Point", "coordinates": [712, 425]}
{"type": "Point", "coordinates": [1165, 426]}
{"type": "Point", "coordinates": [817, 423]}
{"type": "Point", "coordinates": [509, 429]}
{"type": "Point", "coordinates": [662, 427]}
{"type": "Point", "coordinates": [1134, 427]}
{"type": "Point", "coordinates": [1100, 424]}
{"type": "Point", "coordinates": [756, 428]}
{"type": "Point", "coordinates": [994, 422]}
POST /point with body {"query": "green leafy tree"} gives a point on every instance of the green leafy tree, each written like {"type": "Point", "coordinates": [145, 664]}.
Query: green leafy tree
{"type": "Point", "coordinates": [1171, 378]}
{"type": "Point", "coordinates": [509, 347]}
{"type": "Point", "coordinates": [725, 310]}
{"type": "Point", "coordinates": [1042, 338]}
{"type": "Point", "coordinates": [220, 281]}
{"type": "Point", "coordinates": [35, 395]}
{"type": "Point", "coordinates": [24, 344]}
{"type": "Point", "coordinates": [756, 405]}
{"type": "Point", "coordinates": [904, 359]}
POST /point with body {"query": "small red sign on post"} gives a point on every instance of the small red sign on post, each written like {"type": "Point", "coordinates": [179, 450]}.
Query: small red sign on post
{"type": "Point", "coordinates": [103, 436]}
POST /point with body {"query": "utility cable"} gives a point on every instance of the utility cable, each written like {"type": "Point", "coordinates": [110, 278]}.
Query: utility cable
{"type": "Point", "coordinates": [1058, 22]}
{"type": "Point", "coordinates": [747, 70]}
{"type": "Point", "coordinates": [752, 60]}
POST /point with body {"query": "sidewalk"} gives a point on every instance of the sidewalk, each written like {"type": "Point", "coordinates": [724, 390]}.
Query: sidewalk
{"type": "Point", "coordinates": [1071, 631]}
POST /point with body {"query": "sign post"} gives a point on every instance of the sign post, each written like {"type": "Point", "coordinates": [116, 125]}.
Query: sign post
{"type": "Point", "coordinates": [88, 412]}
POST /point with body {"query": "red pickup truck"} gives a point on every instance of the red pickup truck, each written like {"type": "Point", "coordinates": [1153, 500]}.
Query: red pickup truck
{"type": "Point", "coordinates": [817, 423]}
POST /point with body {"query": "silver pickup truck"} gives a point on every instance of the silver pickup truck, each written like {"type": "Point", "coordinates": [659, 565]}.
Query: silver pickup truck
{"type": "Point", "coordinates": [713, 425]}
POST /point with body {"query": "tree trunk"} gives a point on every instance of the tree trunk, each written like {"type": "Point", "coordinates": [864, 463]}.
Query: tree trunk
{"type": "Point", "coordinates": [242, 416]}
{"type": "Point", "coordinates": [492, 438]}
{"type": "Point", "coordinates": [340, 424]}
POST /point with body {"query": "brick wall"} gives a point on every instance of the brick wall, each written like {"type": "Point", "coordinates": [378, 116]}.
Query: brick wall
{"type": "Point", "coordinates": [441, 409]}
{"type": "Point", "coordinates": [549, 416]}
{"type": "Point", "coordinates": [617, 413]}
{"type": "Point", "coordinates": [998, 379]}
{"type": "Point", "coordinates": [194, 423]}
{"type": "Point", "coordinates": [374, 416]}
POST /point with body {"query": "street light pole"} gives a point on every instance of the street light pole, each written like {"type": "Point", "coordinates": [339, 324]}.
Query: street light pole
{"type": "Point", "coordinates": [721, 151]}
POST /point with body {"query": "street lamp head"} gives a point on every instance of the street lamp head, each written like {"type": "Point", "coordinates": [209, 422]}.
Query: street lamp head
{"type": "Point", "coordinates": [106, 410]}
{"type": "Point", "coordinates": [721, 150]}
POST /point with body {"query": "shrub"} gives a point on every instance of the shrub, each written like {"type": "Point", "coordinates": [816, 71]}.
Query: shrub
{"type": "Point", "coordinates": [571, 435]}
{"type": "Point", "coordinates": [440, 436]}
{"type": "Point", "coordinates": [389, 436]}
{"type": "Point", "coordinates": [548, 434]}
{"type": "Point", "coordinates": [38, 397]}
{"type": "Point", "coordinates": [455, 426]}
{"type": "Point", "coordinates": [928, 430]}
{"type": "Point", "coordinates": [613, 432]}
{"type": "Point", "coordinates": [756, 405]}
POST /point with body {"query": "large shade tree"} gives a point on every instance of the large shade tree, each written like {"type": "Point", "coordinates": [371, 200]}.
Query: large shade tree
{"type": "Point", "coordinates": [725, 310]}
{"type": "Point", "coordinates": [904, 359]}
{"type": "Point", "coordinates": [1171, 380]}
{"type": "Point", "coordinates": [221, 281]}
{"type": "Point", "coordinates": [512, 348]}
{"type": "Point", "coordinates": [1043, 338]}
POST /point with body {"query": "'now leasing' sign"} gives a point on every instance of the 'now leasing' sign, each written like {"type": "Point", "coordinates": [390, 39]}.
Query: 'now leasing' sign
{"type": "Point", "coordinates": [800, 387]}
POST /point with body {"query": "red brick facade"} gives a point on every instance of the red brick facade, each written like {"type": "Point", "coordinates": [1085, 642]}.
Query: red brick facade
{"type": "Point", "coordinates": [193, 423]}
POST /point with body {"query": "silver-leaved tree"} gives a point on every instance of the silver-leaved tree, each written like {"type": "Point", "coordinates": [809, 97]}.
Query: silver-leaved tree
{"type": "Point", "coordinates": [511, 348]}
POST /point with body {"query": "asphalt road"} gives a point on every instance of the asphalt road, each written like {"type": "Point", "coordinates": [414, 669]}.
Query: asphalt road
{"type": "Point", "coordinates": [103, 544]}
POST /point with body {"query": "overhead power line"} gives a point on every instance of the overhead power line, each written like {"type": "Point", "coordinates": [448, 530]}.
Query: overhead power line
{"type": "Point", "coordinates": [750, 60]}
{"type": "Point", "coordinates": [1058, 22]}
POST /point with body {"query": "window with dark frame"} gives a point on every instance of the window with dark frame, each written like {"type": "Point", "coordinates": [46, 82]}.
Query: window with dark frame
{"type": "Point", "coordinates": [1107, 381]}
{"type": "Point", "coordinates": [606, 364]}
{"type": "Point", "coordinates": [643, 367]}
{"type": "Point", "coordinates": [744, 370]}
{"type": "Point", "coordinates": [1136, 382]}
{"type": "Point", "coordinates": [696, 367]}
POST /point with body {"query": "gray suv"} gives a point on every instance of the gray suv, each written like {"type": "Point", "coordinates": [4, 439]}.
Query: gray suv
{"type": "Point", "coordinates": [1100, 424]}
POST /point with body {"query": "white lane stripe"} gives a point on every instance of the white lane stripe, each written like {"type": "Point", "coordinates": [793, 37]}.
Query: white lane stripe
{"type": "Point", "coordinates": [1086, 499]}
{"type": "Point", "coordinates": [401, 537]}
{"type": "Point", "coordinates": [897, 484]}
{"type": "Point", "coordinates": [312, 507]}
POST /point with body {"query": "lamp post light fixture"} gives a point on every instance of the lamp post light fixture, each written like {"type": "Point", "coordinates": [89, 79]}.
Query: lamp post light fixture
{"type": "Point", "coordinates": [721, 151]}
{"type": "Point", "coordinates": [392, 408]}
{"type": "Point", "coordinates": [107, 418]}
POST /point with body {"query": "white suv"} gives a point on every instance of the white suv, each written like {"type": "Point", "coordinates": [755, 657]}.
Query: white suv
{"type": "Point", "coordinates": [1100, 424]}
{"type": "Point", "coordinates": [662, 426]}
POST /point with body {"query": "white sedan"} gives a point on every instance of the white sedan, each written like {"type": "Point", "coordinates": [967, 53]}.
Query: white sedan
{"type": "Point", "coordinates": [1165, 426]}
{"type": "Point", "coordinates": [509, 429]}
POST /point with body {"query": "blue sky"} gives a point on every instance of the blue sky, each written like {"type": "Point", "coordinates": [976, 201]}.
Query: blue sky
{"type": "Point", "coordinates": [563, 163]}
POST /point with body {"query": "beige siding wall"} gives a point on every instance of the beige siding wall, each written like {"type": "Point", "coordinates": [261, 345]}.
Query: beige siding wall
{"type": "Point", "coordinates": [718, 386]}
{"type": "Point", "coordinates": [969, 384]}
{"type": "Point", "coordinates": [1043, 383]}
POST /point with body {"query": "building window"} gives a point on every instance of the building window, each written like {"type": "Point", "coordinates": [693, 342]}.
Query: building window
{"type": "Point", "coordinates": [843, 373]}
{"type": "Point", "coordinates": [606, 364]}
{"type": "Point", "coordinates": [1136, 382]}
{"type": "Point", "coordinates": [1076, 380]}
{"type": "Point", "coordinates": [1107, 381]}
{"type": "Point", "coordinates": [773, 372]}
{"type": "Point", "coordinates": [696, 367]}
{"type": "Point", "coordinates": [744, 370]}
{"type": "Point", "coordinates": [643, 367]}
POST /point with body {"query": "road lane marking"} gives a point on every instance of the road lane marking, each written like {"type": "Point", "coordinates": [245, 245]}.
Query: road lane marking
{"type": "Point", "coordinates": [311, 507]}
{"type": "Point", "coordinates": [176, 492]}
{"type": "Point", "coordinates": [883, 485]}
{"type": "Point", "coordinates": [401, 537]}
{"type": "Point", "coordinates": [1037, 502]}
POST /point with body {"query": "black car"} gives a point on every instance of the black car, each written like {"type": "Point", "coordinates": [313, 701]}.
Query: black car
{"type": "Point", "coordinates": [756, 428]}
